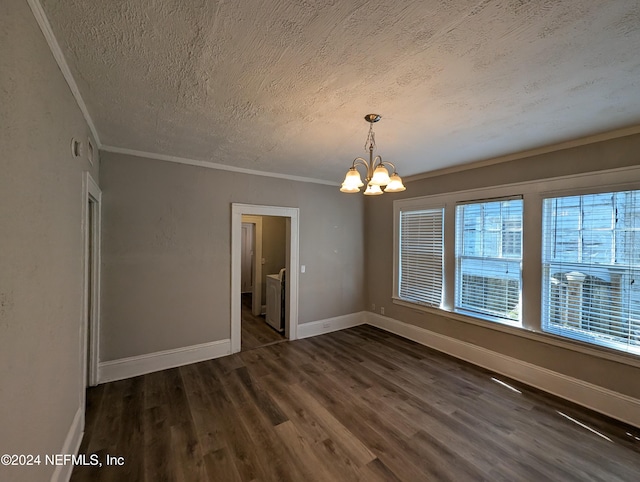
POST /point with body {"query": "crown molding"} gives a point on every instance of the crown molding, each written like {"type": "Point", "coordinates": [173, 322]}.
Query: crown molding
{"type": "Point", "coordinates": [54, 46]}
{"type": "Point", "coordinates": [582, 141]}
{"type": "Point", "coordinates": [213, 165]}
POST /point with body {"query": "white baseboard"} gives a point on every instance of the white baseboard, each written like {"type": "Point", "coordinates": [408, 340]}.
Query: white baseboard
{"type": "Point", "coordinates": [139, 365]}
{"type": "Point", "coordinates": [328, 325]}
{"type": "Point", "coordinates": [62, 473]}
{"type": "Point", "coordinates": [605, 401]}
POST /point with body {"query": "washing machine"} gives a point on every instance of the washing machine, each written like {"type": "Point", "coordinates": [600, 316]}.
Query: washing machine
{"type": "Point", "coordinates": [275, 300]}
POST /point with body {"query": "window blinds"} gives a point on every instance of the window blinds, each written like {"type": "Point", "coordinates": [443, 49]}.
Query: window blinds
{"type": "Point", "coordinates": [488, 258]}
{"type": "Point", "coordinates": [591, 268]}
{"type": "Point", "coordinates": [421, 256]}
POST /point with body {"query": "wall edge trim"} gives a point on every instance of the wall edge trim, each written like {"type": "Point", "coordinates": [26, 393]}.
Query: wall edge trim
{"type": "Point", "coordinates": [122, 368]}
{"type": "Point", "coordinates": [71, 445]}
{"type": "Point", "coordinates": [328, 325]}
{"type": "Point", "coordinates": [608, 402]}
{"type": "Point", "coordinates": [536, 151]}
{"type": "Point", "coordinates": [58, 55]}
{"type": "Point", "coordinates": [212, 165]}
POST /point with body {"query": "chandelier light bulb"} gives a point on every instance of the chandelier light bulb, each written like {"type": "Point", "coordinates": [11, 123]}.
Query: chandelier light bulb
{"type": "Point", "coordinates": [353, 178]}
{"type": "Point", "coordinates": [395, 184]}
{"type": "Point", "coordinates": [373, 190]}
{"type": "Point", "coordinates": [380, 176]}
{"type": "Point", "coordinates": [349, 189]}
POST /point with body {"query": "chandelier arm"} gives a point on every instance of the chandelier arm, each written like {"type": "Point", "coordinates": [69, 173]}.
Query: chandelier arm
{"type": "Point", "coordinates": [377, 161]}
{"type": "Point", "coordinates": [390, 164]}
{"type": "Point", "coordinates": [360, 161]}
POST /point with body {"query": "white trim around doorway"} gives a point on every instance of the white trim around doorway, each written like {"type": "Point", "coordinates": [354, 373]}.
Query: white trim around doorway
{"type": "Point", "coordinates": [292, 261]}
{"type": "Point", "coordinates": [90, 324]}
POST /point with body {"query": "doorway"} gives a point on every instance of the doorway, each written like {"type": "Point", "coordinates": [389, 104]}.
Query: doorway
{"type": "Point", "coordinates": [291, 215]}
{"type": "Point", "coordinates": [263, 277]}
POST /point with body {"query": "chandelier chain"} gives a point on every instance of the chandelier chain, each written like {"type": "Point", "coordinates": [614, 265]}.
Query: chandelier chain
{"type": "Point", "coordinates": [371, 139]}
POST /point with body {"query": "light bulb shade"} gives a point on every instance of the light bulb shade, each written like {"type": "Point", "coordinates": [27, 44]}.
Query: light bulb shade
{"type": "Point", "coordinates": [373, 190]}
{"type": "Point", "coordinates": [380, 176]}
{"type": "Point", "coordinates": [349, 189]}
{"type": "Point", "coordinates": [395, 184]}
{"type": "Point", "coordinates": [352, 179]}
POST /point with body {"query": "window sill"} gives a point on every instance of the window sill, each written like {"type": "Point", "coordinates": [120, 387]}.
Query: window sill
{"type": "Point", "coordinates": [581, 337]}
{"type": "Point", "coordinates": [489, 319]}
{"type": "Point", "coordinates": [523, 332]}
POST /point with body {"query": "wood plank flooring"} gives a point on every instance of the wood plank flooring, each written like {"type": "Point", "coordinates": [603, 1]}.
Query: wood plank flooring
{"type": "Point", "coordinates": [255, 331]}
{"type": "Point", "coordinates": [354, 405]}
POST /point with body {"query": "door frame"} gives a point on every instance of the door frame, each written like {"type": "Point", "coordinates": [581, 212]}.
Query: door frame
{"type": "Point", "coordinates": [292, 216]}
{"type": "Point", "coordinates": [90, 327]}
{"type": "Point", "coordinates": [248, 255]}
{"type": "Point", "coordinates": [256, 268]}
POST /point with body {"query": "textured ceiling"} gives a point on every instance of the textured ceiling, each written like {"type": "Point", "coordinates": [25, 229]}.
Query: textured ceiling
{"type": "Point", "coordinates": [282, 85]}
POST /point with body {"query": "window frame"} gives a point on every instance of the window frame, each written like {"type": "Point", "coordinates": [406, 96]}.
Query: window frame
{"type": "Point", "coordinates": [533, 193]}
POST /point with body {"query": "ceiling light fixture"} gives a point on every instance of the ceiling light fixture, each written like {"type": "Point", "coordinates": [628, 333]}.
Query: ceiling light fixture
{"type": "Point", "coordinates": [377, 174]}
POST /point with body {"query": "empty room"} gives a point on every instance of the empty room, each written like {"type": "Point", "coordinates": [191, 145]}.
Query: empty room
{"type": "Point", "coordinates": [324, 241]}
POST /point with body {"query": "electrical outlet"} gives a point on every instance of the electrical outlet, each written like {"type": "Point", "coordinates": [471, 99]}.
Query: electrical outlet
{"type": "Point", "coordinates": [373, 307]}
{"type": "Point", "coordinates": [382, 310]}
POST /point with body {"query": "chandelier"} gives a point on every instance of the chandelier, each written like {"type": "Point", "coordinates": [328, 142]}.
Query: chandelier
{"type": "Point", "coordinates": [377, 173]}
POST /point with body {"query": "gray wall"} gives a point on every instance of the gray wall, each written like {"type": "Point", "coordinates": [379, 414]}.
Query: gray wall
{"type": "Point", "coordinates": [167, 253]}
{"type": "Point", "coordinates": [41, 246]}
{"type": "Point", "coordinates": [379, 259]}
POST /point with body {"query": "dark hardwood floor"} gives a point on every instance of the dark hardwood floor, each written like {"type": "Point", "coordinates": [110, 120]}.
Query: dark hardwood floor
{"type": "Point", "coordinates": [255, 331]}
{"type": "Point", "coordinates": [358, 404]}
